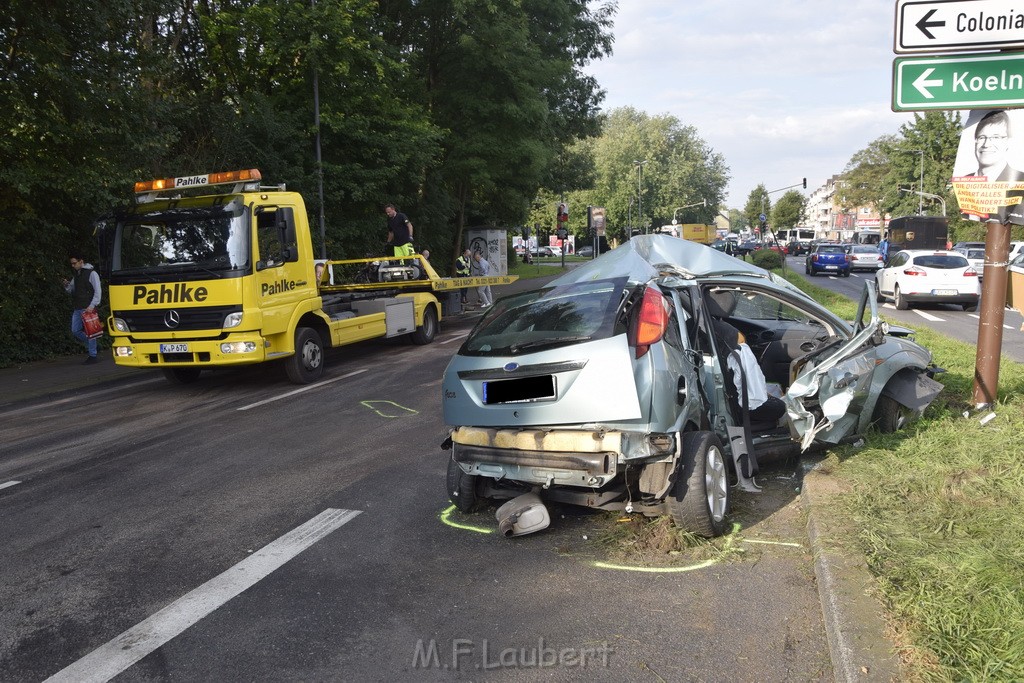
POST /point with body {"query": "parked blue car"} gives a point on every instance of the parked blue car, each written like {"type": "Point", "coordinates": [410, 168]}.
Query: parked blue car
{"type": "Point", "coordinates": [828, 258]}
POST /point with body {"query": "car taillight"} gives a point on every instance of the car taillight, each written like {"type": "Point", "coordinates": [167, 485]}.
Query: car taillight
{"type": "Point", "coordinates": [814, 257]}
{"type": "Point", "coordinates": [652, 321]}
{"type": "Point", "coordinates": [970, 272]}
{"type": "Point", "coordinates": [848, 258]}
{"type": "Point", "coordinates": [913, 271]}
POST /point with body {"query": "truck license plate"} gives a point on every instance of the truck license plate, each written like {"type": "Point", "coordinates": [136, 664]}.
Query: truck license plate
{"type": "Point", "coordinates": [174, 348]}
{"type": "Point", "coordinates": [944, 292]}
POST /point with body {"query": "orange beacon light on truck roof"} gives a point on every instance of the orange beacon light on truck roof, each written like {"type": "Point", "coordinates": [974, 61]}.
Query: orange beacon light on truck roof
{"type": "Point", "coordinates": [247, 175]}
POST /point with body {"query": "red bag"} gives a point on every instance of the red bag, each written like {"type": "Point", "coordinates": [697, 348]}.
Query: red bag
{"type": "Point", "coordinates": [92, 324]}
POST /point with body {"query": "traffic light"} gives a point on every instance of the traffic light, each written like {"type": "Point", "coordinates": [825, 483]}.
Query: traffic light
{"type": "Point", "coordinates": [563, 212]}
{"type": "Point", "coordinates": [805, 183]}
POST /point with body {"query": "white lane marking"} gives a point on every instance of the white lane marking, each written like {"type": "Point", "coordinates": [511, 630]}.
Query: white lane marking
{"type": "Point", "coordinates": [832, 277]}
{"type": "Point", "coordinates": [455, 338]}
{"type": "Point", "coordinates": [9, 484]}
{"type": "Point", "coordinates": [302, 389]}
{"type": "Point", "coordinates": [928, 316]}
{"type": "Point", "coordinates": [81, 398]}
{"type": "Point", "coordinates": [116, 656]}
{"type": "Point", "coordinates": [1005, 327]}
{"type": "Point", "coordinates": [889, 305]}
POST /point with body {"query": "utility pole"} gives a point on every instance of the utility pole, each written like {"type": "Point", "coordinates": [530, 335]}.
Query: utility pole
{"type": "Point", "coordinates": [639, 191]}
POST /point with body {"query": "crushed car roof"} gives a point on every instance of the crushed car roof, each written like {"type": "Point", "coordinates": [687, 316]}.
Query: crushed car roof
{"type": "Point", "coordinates": [648, 257]}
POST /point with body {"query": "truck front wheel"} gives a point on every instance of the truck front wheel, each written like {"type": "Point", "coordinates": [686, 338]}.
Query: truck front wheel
{"type": "Point", "coordinates": [307, 365]}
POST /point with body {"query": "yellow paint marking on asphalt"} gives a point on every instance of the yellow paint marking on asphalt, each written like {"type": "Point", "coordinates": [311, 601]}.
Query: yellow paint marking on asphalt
{"type": "Point", "coordinates": [402, 410]}
{"type": "Point", "coordinates": [447, 519]}
{"type": "Point", "coordinates": [674, 570]}
{"type": "Point", "coordinates": [785, 543]}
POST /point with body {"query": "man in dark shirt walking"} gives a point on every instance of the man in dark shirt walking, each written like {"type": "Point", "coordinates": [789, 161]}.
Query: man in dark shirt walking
{"type": "Point", "coordinates": [399, 231]}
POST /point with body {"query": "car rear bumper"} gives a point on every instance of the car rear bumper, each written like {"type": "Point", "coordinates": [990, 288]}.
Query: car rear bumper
{"type": "Point", "coordinates": [928, 298]}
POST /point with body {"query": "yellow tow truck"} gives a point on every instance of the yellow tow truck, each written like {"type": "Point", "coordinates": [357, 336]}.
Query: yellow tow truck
{"type": "Point", "coordinates": [230, 278]}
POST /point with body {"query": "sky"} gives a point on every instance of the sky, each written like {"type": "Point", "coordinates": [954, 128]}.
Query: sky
{"type": "Point", "coordinates": [782, 89]}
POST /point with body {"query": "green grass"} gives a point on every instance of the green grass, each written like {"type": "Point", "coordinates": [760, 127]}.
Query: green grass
{"type": "Point", "coordinates": [937, 514]}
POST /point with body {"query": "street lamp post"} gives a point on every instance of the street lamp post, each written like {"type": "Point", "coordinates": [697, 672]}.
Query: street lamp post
{"type": "Point", "coordinates": [929, 196]}
{"type": "Point", "coordinates": [639, 191]}
{"type": "Point", "coordinates": [703, 202]}
{"type": "Point", "coordinates": [920, 186]}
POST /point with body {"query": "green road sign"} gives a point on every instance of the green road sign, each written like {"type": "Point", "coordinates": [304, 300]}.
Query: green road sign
{"type": "Point", "coordinates": [988, 81]}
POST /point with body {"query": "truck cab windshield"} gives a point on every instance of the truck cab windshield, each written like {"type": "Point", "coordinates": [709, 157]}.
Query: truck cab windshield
{"type": "Point", "coordinates": [205, 240]}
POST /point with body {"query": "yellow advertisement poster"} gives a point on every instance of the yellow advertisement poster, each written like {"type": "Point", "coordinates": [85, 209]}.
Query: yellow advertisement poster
{"type": "Point", "coordinates": [986, 178]}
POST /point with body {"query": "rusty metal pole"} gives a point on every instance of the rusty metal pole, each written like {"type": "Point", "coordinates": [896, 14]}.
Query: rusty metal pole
{"type": "Point", "coordinates": [990, 327]}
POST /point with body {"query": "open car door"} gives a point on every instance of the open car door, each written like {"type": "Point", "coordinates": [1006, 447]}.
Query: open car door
{"type": "Point", "coordinates": [831, 383]}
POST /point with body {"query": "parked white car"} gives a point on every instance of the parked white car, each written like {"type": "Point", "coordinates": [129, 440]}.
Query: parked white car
{"type": "Point", "coordinates": [926, 276]}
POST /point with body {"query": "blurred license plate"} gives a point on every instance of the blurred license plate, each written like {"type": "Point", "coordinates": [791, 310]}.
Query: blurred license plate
{"type": "Point", "coordinates": [831, 267]}
{"type": "Point", "coordinates": [944, 292]}
{"type": "Point", "coordinates": [519, 390]}
{"type": "Point", "coordinates": [174, 348]}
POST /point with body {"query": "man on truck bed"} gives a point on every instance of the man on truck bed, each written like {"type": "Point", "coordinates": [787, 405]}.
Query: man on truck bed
{"type": "Point", "coordinates": [399, 231]}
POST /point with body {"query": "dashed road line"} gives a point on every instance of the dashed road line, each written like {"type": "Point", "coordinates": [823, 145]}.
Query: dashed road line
{"type": "Point", "coordinates": [928, 316]}
{"type": "Point", "coordinates": [9, 484]}
{"type": "Point", "coordinates": [119, 654]}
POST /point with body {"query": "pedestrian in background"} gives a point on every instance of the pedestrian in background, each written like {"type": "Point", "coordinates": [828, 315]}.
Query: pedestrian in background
{"type": "Point", "coordinates": [883, 249]}
{"type": "Point", "coordinates": [84, 288]}
{"type": "Point", "coordinates": [462, 268]}
{"type": "Point", "coordinates": [481, 268]}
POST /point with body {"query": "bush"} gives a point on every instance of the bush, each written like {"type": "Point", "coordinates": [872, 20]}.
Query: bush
{"type": "Point", "coordinates": [767, 259]}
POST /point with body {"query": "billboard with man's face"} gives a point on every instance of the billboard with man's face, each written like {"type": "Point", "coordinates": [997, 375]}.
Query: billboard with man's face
{"type": "Point", "coordinates": [987, 179]}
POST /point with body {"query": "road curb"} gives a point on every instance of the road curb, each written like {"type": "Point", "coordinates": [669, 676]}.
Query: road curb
{"type": "Point", "coordinates": [854, 622]}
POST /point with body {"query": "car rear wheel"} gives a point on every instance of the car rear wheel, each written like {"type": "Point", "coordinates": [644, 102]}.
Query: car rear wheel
{"type": "Point", "coordinates": [970, 308]}
{"type": "Point", "coordinates": [890, 415]}
{"type": "Point", "coordinates": [898, 299]}
{"type": "Point", "coordinates": [699, 498]}
{"type": "Point", "coordinates": [462, 488]}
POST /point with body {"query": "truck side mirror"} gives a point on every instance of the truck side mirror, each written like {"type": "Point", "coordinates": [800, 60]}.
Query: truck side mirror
{"type": "Point", "coordinates": [284, 221]}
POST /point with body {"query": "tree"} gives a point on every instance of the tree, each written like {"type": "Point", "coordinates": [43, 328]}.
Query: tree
{"type": "Point", "coordinates": [789, 211]}
{"type": "Point", "coordinates": [679, 169]}
{"type": "Point", "coordinates": [758, 202]}
{"type": "Point", "coordinates": [864, 181]}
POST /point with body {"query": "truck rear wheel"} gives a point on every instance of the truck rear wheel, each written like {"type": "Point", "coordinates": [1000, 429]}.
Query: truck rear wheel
{"type": "Point", "coordinates": [426, 332]}
{"type": "Point", "coordinates": [307, 365]}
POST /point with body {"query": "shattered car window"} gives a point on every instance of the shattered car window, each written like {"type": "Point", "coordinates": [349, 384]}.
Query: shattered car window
{"type": "Point", "coordinates": [548, 318]}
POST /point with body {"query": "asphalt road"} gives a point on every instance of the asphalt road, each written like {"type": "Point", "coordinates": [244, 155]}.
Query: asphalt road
{"type": "Point", "coordinates": [948, 319]}
{"type": "Point", "coordinates": [152, 536]}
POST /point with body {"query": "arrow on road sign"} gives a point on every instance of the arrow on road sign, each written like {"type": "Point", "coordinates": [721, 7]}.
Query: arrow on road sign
{"type": "Point", "coordinates": [924, 24]}
{"type": "Point", "coordinates": [922, 83]}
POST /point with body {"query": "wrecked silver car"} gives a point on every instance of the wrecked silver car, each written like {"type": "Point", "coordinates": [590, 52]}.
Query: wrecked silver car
{"type": "Point", "coordinates": [612, 387]}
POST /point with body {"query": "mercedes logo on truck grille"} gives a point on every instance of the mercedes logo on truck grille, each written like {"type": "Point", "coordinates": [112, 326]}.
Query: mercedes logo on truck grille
{"type": "Point", "coordinates": [172, 319]}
